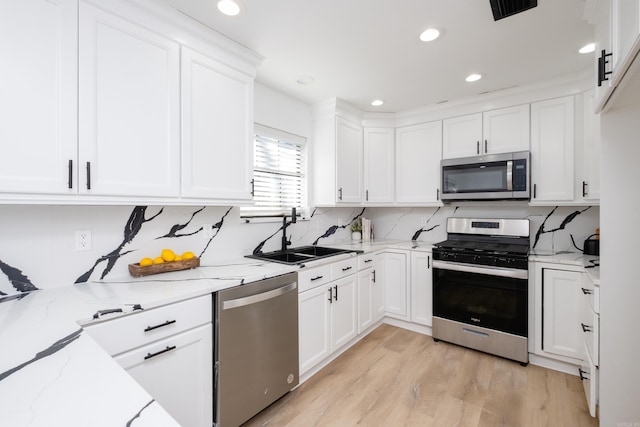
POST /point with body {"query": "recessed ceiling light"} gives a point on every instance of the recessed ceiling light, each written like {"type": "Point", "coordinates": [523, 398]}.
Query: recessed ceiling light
{"type": "Point", "coordinates": [305, 80]}
{"type": "Point", "coordinates": [588, 48]}
{"type": "Point", "coordinates": [473, 77]}
{"type": "Point", "coordinates": [377, 102]}
{"type": "Point", "coordinates": [229, 7]}
{"type": "Point", "coordinates": [429, 35]}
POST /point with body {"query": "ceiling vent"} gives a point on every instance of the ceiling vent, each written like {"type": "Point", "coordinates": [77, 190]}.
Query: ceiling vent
{"type": "Point", "coordinates": [504, 8]}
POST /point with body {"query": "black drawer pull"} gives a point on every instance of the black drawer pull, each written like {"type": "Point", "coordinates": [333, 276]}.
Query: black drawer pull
{"type": "Point", "coordinates": [167, 323]}
{"type": "Point", "coordinates": [582, 374]}
{"type": "Point", "coordinates": [367, 261]}
{"type": "Point", "coordinates": [330, 296]}
{"type": "Point", "coordinates": [587, 291]}
{"type": "Point", "coordinates": [313, 279]}
{"type": "Point", "coordinates": [336, 289]}
{"type": "Point", "coordinates": [347, 268]}
{"type": "Point", "coordinates": [586, 328]}
{"type": "Point", "coordinates": [150, 355]}
{"type": "Point", "coordinates": [88, 175]}
{"type": "Point", "coordinates": [374, 276]}
{"type": "Point", "coordinates": [70, 173]}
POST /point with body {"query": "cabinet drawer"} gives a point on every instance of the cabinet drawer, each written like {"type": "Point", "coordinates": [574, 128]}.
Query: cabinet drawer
{"type": "Point", "coordinates": [592, 294]}
{"type": "Point", "coordinates": [313, 277]}
{"type": "Point", "coordinates": [590, 329]}
{"type": "Point", "coordinates": [589, 376]}
{"type": "Point", "coordinates": [365, 261]}
{"type": "Point", "coordinates": [344, 268]}
{"type": "Point", "coordinates": [135, 330]}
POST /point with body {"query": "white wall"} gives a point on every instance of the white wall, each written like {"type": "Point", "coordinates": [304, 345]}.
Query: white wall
{"type": "Point", "coordinates": [274, 109]}
{"type": "Point", "coordinates": [620, 273]}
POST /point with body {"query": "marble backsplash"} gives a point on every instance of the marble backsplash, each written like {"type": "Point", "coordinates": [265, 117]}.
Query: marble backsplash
{"type": "Point", "coordinates": [37, 242]}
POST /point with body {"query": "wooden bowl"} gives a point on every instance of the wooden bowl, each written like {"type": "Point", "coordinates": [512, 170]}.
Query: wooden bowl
{"type": "Point", "coordinates": [137, 271]}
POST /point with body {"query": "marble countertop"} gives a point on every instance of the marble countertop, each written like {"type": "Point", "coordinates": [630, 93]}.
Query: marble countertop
{"type": "Point", "coordinates": [53, 373]}
{"type": "Point", "coordinates": [590, 263]}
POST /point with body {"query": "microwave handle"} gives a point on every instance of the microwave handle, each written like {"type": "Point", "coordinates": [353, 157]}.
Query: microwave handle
{"type": "Point", "coordinates": [510, 175]}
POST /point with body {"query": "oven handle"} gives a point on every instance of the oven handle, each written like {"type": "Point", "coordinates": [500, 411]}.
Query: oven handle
{"type": "Point", "coordinates": [489, 271]}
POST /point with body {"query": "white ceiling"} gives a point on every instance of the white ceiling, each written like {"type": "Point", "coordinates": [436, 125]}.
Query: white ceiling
{"type": "Point", "coordinates": [360, 50]}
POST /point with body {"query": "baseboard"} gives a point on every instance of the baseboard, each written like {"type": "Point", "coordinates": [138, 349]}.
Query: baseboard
{"type": "Point", "coordinates": [556, 365]}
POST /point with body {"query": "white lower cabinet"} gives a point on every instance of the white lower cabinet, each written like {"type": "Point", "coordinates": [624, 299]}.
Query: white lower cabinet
{"type": "Point", "coordinates": [394, 273]}
{"type": "Point", "coordinates": [421, 288]}
{"type": "Point", "coordinates": [590, 327]}
{"type": "Point", "coordinates": [327, 313]}
{"type": "Point", "coordinates": [169, 351]}
{"type": "Point", "coordinates": [178, 373]}
{"type": "Point", "coordinates": [561, 306]}
{"type": "Point", "coordinates": [370, 293]}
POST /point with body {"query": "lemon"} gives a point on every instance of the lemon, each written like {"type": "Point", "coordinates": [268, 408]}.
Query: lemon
{"type": "Point", "coordinates": [178, 258]}
{"type": "Point", "coordinates": [145, 262]}
{"type": "Point", "coordinates": [158, 260]}
{"type": "Point", "coordinates": [168, 255]}
{"type": "Point", "coordinates": [188, 255]}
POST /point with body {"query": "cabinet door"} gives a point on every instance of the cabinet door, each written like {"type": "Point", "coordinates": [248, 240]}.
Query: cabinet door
{"type": "Point", "coordinates": [314, 326]}
{"type": "Point", "coordinates": [591, 151]}
{"type": "Point", "coordinates": [552, 150]}
{"type": "Point", "coordinates": [378, 165]}
{"type": "Point", "coordinates": [394, 271]}
{"type": "Point", "coordinates": [625, 24]}
{"type": "Point", "coordinates": [365, 299]}
{"type": "Point", "coordinates": [505, 130]}
{"type": "Point", "coordinates": [178, 373]}
{"type": "Point", "coordinates": [561, 310]}
{"type": "Point", "coordinates": [421, 288]}
{"type": "Point", "coordinates": [418, 155]}
{"type": "Point", "coordinates": [217, 129]}
{"type": "Point", "coordinates": [378, 299]}
{"type": "Point", "coordinates": [38, 105]}
{"type": "Point", "coordinates": [348, 161]}
{"type": "Point", "coordinates": [603, 42]}
{"type": "Point", "coordinates": [461, 136]}
{"type": "Point", "coordinates": [344, 311]}
{"type": "Point", "coordinates": [129, 113]}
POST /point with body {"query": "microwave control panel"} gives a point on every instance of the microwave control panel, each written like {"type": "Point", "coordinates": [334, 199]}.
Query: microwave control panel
{"type": "Point", "coordinates": [520, 175]}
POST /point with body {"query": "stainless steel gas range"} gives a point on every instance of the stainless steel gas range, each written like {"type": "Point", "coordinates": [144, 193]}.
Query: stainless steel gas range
{"type": "Point", "coordinates": [480, 286]}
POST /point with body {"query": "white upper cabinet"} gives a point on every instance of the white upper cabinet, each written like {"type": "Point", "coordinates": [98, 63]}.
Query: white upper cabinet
{"type": "Point", "coordinates": [461, 136]}
{"type": "Point", "coordinates": [348, 160]}
{"type": "Point", "coordinates": [378, 165]}
{"type": "Point", "coordinates": [552, 150]}
{"type": "Point", "coordinates": [38, 132]}
{"type": "Point", "coordinates": [506, 130]}
{"type": "Point", "coordinates": [417, 169]}
{"type": "Point", "coordinates": [496, 131]}
{"type": "Point", "coordinates": [589, 161]}
{"type": "Point", "coordinates": [129, 115]}
{"type": "Point", "coordinates": [217, 123]}
{"type": "Point", "coordinates": [625, 25]}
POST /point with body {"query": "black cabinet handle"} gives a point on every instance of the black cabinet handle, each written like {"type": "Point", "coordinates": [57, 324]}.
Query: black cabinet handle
{"type": "Point", "coordinates": [437, 194]}
{"type": "Point", "coordinates": [586, 328]}
{"type": "Point", "coordinates": [88, 175]}
{"type": "Point", "coordinates": [366, 195]}
{"type": "Point", "coordinates": [70, 173]}
{"type": "Point", "coordinates": [582, 374]}
{"type": "Point", "coordinates": [584, 189]}
{"type": "Point", "coordinates": [428, 262]}
{"type": "Point", "coordinates": [485, 147]}
{"type": "Point", "coordinates": [374, 276]}
{"type": "Point", "coordinates": [346, 269]}
{"type": "Point", "coordinates": [330, 296]}
{"type": "Point", "coordinates": [340, 193]}
{"type": "Point", "coordinates": [150, 355]}
{"type": "Point", "coordinates": [603, 74]}
{"type": "Point", "coordinates": [313, 279]}
{"type": "Point", "coordinates": [167, 323]}
{"type": "Point", "coordinates": [253, 187]}
{"type": "Point", "coordinates": [368, 260]}
{"type": "Point", "coordinates": [534, 190]}
{"type": "Point", "coordinates": [477, 147]}
{"type": "Point", "coordinates": [336, 289]}
{"type": "Point", "coordinates": [586, 291]}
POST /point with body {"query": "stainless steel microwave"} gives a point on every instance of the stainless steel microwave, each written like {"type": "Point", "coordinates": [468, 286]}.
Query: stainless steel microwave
{"type": "Point", "coordinates": [488, 177]}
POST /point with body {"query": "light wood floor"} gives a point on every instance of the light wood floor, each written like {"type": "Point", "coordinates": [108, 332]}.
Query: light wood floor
{"type": "Point", "coordinates": [394, 377]}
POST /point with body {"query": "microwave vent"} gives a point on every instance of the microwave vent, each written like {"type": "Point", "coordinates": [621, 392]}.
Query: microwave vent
{"type": "Point", "coordinates": [504, 8]}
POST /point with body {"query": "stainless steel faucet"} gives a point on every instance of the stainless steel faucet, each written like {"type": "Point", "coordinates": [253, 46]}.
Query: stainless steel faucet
{"type": "Point", "coordinates": [286, 242]}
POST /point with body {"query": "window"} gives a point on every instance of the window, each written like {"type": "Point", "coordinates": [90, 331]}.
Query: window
{"type": "Point", "coordinates": [278, 173]}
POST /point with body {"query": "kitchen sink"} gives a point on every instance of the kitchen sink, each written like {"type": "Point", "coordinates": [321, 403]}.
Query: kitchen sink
{"type": "Point", "coordinates": [298, 255]}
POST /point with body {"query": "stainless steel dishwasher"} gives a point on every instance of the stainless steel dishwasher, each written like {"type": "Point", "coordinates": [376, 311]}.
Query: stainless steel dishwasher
{"type": "Point", "coordinates": [256, 347]}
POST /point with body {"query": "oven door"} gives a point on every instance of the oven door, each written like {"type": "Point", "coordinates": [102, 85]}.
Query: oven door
{"type": "Point", "coordinates": [489, 297]}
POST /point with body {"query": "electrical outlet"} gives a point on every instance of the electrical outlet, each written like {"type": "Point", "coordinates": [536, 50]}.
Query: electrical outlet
{"type": "Point", "coordinates": [83, 240]}
{"type": "Point", "coordinates": [208, 230]}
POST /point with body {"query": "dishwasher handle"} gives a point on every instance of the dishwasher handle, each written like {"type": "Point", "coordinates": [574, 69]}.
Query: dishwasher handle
{"type": "Point", "coordinates": [253, 299]}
